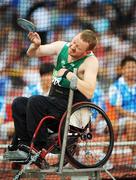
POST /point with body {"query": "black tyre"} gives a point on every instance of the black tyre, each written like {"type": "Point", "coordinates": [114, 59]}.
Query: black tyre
{"type": "Point", "coordinates": [90, 136]}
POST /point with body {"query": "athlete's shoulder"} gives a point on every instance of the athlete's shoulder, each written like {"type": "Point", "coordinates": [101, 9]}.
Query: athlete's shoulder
{"type": "Point", "coordinates": [91, 58]}
{"type": "Point", "coordinates": [91, 62]}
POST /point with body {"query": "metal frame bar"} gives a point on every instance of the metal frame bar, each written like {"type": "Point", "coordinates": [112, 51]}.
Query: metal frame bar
{"type": "Point", "coordinates": [63, 149]}
{"type": "Point", "coordinates": [41, 174]}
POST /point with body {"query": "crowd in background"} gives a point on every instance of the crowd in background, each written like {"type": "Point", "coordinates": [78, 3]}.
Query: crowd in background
{"type": "Point", "coordinates": [114, 21]}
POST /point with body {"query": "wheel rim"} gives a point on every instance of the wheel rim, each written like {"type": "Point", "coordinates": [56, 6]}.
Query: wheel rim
{"type": "Point", "coordinates": [93, 148]}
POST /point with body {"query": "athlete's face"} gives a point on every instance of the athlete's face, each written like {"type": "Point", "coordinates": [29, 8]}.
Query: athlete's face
{"type": "Point", "coordinates": [78, 47]}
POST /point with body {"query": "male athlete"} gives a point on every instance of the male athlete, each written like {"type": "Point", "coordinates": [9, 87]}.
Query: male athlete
{"type": "Point", "coordinates": [27, 112]}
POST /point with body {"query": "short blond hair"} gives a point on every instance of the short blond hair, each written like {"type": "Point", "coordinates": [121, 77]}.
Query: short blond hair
{"type": "Point", "coordinates": [90, 37]}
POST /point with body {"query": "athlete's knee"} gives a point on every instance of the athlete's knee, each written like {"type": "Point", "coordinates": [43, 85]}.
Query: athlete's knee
{"type": "Point", "coordinates": [33, 101]}
{"type": "Point", "coordinates": [18, 103]}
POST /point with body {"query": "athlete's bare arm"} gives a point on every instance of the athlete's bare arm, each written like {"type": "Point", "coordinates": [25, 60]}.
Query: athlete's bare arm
{"type": "Point", "coordinates": [87, 85]}
{"type": "Point", "coordinates": [37, 50]}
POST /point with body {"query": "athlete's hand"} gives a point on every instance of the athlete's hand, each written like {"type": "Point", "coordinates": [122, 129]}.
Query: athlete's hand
{"type": "Point", "coordinates": [34, 38]}
{"type": "Point", "coordinates": [62, 71]}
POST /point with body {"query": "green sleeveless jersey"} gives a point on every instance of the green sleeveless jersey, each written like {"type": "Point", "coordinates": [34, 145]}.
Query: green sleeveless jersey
{"type": "Point", "coordinates": [62, 62]}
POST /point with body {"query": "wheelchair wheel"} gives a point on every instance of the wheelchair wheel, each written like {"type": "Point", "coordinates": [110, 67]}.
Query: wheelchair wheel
{"type": "Point", "coordinates": [90, 136]}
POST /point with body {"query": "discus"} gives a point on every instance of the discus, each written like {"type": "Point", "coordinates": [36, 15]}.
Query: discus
{"type": "Point", "coordinates": [26, 25]}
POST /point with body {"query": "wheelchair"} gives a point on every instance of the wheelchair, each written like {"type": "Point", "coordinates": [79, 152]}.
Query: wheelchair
{"type": "Point", "coordinates": [90, 139]}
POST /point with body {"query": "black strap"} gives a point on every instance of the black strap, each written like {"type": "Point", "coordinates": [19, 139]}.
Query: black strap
{"type": "Point", "coordinates": [65, 73]}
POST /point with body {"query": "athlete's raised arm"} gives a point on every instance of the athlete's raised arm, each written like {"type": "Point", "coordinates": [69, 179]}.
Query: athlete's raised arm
{"type": "Point", "coordinates": [37, 50]}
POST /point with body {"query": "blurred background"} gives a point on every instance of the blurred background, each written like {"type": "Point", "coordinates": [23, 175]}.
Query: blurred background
{"type": "Point", "coordinates": [114, 21]}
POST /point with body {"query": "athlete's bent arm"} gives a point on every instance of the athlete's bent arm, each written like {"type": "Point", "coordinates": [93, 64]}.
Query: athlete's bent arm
{"type": "Point", "coordinates": [37, 50]}
{"type": "Point", "coordinates": [87, 85]}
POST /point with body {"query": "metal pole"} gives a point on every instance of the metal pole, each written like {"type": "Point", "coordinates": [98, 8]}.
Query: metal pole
{"type": "Point", "coordinates": [66, 131]}
{"type": "Point", "coordinates": [69, 108]}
